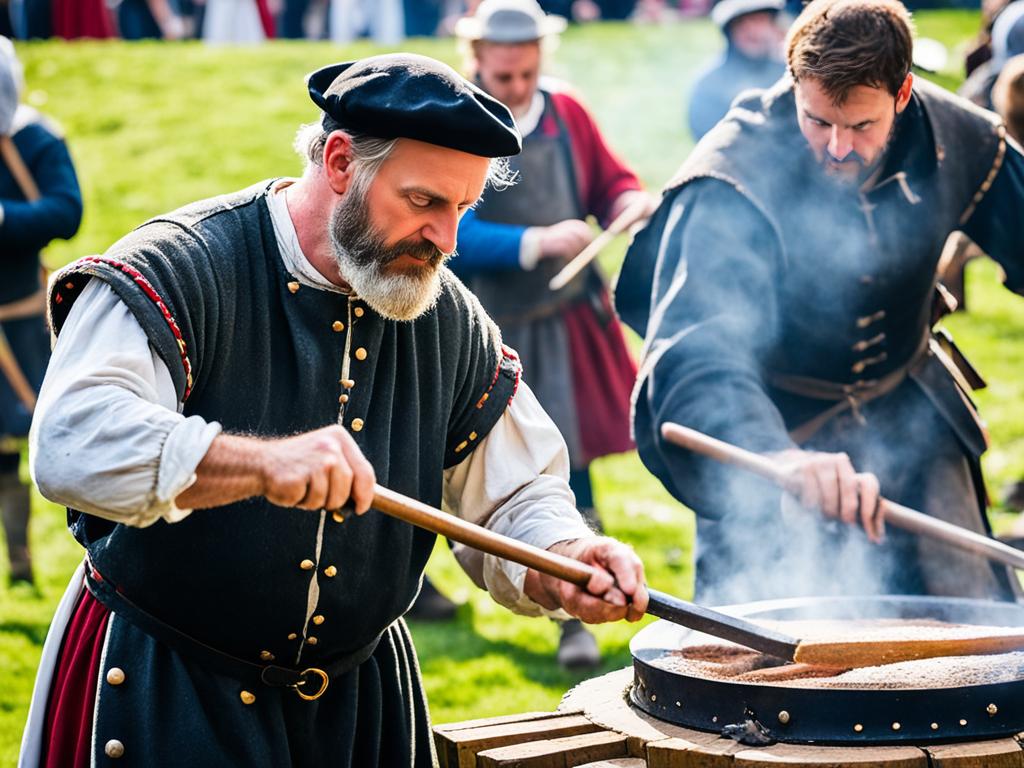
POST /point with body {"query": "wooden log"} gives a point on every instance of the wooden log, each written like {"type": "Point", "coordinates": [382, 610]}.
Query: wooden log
{"type": "Point", "coordinates": [618, 762]}
{"type": "Point", "coordinates": [812, 756]}
{"type": "Point", "coordinates": [557, 753]}
{"type": "Point", "coordinates": [460, 747]}
{"type": "Point", "coordinates": [998, 753]}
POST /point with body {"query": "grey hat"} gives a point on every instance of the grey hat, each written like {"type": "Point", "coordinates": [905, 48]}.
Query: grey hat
{"type": "Point", "coordinates": [10, 85]}
{"type": "Point", "coordinates": [727, 11]}
{"type": "Point", "coordinates": [509, 21]}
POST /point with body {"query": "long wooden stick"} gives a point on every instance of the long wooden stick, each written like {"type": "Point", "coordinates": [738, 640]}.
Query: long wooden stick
{"type": "Point", "coordinates": [660, 604]}
{"type": "Point", "coordinates": [896, 514]}
{"type": "Point", "coordinates": [630, 215]}
{"type": "Point", "coordinates": [20, 172]}
{"type": "Point", "coordinates": [847, 653]}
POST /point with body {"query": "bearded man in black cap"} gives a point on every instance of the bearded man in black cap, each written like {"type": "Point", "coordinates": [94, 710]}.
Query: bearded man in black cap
{"type": "Point", "coordinates": [785, 288]}
{"type": "Point", "coordinates": [227, 375]}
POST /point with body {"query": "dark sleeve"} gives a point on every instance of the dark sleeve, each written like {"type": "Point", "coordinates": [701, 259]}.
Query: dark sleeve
{"type": "Point", "coordinates": [713, 317]}
{"type": "Point", "coordinates": [486, 246]}
{"type": "Point", "coordinates": [998, 221]}
{"type": "Point", "coordinates": [57, 213]}
{"type": "Point", "coordinates": [487, 379]}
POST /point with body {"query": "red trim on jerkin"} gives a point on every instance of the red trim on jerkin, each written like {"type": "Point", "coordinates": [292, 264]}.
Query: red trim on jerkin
{"type": "Point", "coordinates": [150, 291]}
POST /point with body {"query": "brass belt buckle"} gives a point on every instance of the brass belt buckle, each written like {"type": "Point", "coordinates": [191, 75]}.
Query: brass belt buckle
{"type": "Point", "coordinates": [324, 680]}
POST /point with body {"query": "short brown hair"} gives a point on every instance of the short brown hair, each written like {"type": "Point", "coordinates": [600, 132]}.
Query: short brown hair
{"type": "Point", "coordinates": [846, 43]}
{"type": "Point", "coordinates": [1008, 96]}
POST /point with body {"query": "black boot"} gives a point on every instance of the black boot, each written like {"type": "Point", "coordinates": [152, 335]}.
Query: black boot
{"type": "Point", "coordinates": [577, 648]}
{"type": "Point", "coordinates": [14, 506]}
{"type": "Point", "coordinates": [431, 605]}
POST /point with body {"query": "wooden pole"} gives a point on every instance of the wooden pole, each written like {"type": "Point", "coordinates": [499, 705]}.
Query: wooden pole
{"type": "Point", "coordinates": [629, 216]}
{"type": "Point", "coordinates": [902, 517]}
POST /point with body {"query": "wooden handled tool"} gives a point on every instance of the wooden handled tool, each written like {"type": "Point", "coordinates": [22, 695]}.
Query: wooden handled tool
{"type": "Point", "coordinates": [896, 514]}
{"type": "Point", "coordinates": [629, 216]}
{"type": "Point", "coordinates": [746, 633]}
{"type": "Point", "coordinates": [660, 604]}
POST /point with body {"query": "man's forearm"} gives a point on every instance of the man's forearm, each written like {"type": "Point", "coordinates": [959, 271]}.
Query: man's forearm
{"type": "Point", "coordinates": [230, 471]}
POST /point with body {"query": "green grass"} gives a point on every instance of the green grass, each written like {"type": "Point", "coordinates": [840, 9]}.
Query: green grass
{"type": "Point", "coordinates": [153, 126]}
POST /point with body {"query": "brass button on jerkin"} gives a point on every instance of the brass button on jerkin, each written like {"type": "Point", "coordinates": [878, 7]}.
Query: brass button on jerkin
{"type": "Point", "coordinates": [361, 353]}
{"type": "Point", "coordinates": [358, 311]}
{"type": "Point", "coordinates": [115, 675]}
{"type": "Point", "coordinates": [293, 636]}
{"type": "Point", "coordinates": [311, 640]}
{"type": "Point", "coordinates": [247, 697]}
{"type": "Point", "coordinates": [318, 620]}
{"type": "Point", "coordinates": [342, 399]}
{"type": "Point", "coordinates": [306, 565]}
{"type": "Point", "coordinates": [347, 383]}
{"type": "Point", "coordinates": [330, 571]}
{"type": "Point", "coordinates": [266, 656]}
{"type": "Point", "coordinates": [357, 425]}
{"type": "Point", "coordinates": [293, 286]}
{"type": "Point", "coordinates": [338, 326]}
{"type": "Point", "coordinates": [113, 748]}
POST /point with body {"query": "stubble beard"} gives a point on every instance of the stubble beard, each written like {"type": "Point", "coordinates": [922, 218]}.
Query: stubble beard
{"type": "Point", "coordinates": [367, 264]}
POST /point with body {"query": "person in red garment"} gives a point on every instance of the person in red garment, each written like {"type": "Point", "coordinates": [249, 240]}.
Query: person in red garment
{"type": "Point", "coordinates": [516, 240]}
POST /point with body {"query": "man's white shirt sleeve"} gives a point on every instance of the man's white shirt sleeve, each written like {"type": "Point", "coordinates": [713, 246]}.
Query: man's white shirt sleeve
{"type": "Point", "coordinates": [107, 436]}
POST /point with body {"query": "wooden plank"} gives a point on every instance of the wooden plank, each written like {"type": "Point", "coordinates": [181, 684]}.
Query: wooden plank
{"type": "Point", "coordinates": [462, 725]}
{"type": "Point", "coordinates": [556, 753]}
{"type": "Point", "coordinates": [618, 762]}
{"type": "Point", "coordinates": [447, 754]}
{"type": "Point", "coordinates": [997, 753]}
{"type": "Point", "coordinates": [830, 757]}
{"type": "Point", "coordinates": [711, 752]}
{"type": "Point", "coordinates": [461, 747]}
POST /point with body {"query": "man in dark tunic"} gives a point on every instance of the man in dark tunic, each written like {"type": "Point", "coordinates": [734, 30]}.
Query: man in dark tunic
{"type": "Point", "coordinates": [785, 288]}
{"type": "Point", "coordinates": [226, 378]}
{"type": "Point", "coordinates": [39, 202]}
{"type": "Point", "coordinates": [516, 240]}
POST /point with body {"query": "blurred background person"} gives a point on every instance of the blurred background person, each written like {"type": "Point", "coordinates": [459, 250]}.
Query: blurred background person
{"type": "Point", "coordinates": [1008, 97]}
{"type": "Point", "coordinates": [82, 18]}
{"type": "Point", "coordinates": [238, 22]}
{"type": "Point", "coordinates": [1006, 41]}
{"type": "Point", "coordinates": [382, 20]}
{"type": "Point", "coordinates": [39, 201]}
{"type": "Point", "coordinates": [513, 242]}
{"type": "Point", "coordinates": [149, 19]}
{"type": "Point", "coordinates": [752, 59]}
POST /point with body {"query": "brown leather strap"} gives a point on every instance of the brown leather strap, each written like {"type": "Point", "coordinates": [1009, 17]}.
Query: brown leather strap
{"type": "Point", "coordinates": [847, 397]}
{"type": "Point", "coordinates": [20, 172]}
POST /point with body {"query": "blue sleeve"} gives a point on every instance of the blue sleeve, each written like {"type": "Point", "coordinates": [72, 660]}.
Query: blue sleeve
{"type": "Point", "coordinates": [486, 246]}
{"type": "Point", "coordinates": [995, 224]}
{"type": "Point", "coordinates": [57, 213]}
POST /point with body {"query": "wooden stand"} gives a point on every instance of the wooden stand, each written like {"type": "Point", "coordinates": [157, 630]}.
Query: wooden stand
{"type": "Point", "coordinates": [596, 727]}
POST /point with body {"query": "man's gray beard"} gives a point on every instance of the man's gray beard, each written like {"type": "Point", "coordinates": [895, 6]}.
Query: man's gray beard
{"type": "Point", "coordinates": [363, 258]}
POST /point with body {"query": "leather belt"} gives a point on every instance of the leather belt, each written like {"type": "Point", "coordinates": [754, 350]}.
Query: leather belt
{"type": "Point", "coordinates": [847, 397]}
{"type": "Point", "coordinates": [309, 684]}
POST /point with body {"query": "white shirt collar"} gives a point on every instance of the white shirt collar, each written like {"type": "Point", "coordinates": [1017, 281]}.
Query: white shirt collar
{"type": "Point", "coordinates": [295, 261]}
{"type": "Point", "coordinates": [527, 124]}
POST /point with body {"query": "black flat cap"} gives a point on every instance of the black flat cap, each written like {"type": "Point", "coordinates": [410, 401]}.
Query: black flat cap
{"type": "Point", "coordinates": [403, 95]}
